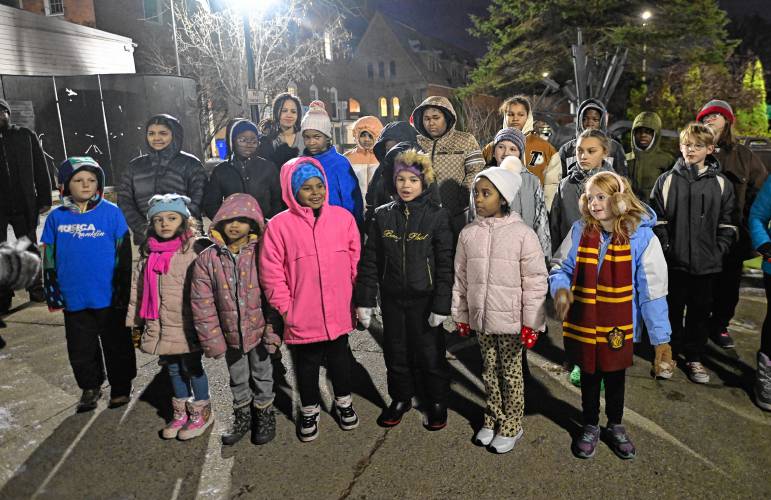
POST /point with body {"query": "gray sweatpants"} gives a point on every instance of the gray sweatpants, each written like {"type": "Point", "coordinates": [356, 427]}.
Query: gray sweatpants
{"type": "Point", "coordinates": [251, 376]}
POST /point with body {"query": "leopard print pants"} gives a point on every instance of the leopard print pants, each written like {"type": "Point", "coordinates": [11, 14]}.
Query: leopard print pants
{"type": "Point", "coordinates": [502, 375]}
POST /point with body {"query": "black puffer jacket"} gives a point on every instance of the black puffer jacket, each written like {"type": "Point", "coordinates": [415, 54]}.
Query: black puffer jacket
{"type": "Point", "coordinates": [408, 253]}
{"type": "Point", "coordinates": [159, 172]}
{"type": "Point", "coordinates": [695, 214]}
{"type": "Point", "coordinates": [255, 176]}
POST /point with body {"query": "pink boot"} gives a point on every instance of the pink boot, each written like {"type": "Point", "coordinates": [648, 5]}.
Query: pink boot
{"type": "Point", "coordinates": [179, 419]}
{"type": "Point", "coordinates": [200, 419]}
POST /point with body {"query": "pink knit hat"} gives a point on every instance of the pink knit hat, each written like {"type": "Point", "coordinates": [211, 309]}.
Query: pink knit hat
{"type": "Point", "coordinates": [317, 119]}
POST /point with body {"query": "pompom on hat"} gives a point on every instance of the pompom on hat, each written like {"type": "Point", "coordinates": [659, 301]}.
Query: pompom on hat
{"type": "Point", "coordinates": [317, 119]}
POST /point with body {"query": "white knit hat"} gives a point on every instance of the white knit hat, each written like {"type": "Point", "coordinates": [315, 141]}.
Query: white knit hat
{"type": "Point", "coordinates": [505, 181]}
{"type": "Point", "coordinates": [317, 119]}
{"type": "Point", "coordinates": [512, 164]}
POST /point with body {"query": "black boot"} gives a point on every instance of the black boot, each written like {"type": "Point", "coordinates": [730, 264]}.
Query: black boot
{"type": "Point", "coordinates": [89, 399]}
{"type": "Point", "coordinates": [392, 415]}
{"type": "Point", "coordinates": [264, 425]}
{"type": "Point", "coordinates": [241, 423]}
{"type": "Point", "coordinates": [436, 417]}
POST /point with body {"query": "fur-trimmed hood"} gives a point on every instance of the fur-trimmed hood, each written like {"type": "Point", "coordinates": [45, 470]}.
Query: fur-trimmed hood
{"type": "Point", "coordinates": [407, 153]}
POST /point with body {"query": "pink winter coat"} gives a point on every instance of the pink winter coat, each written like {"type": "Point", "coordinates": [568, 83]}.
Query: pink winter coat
{"type": "Point", "coordinates": [500, 277]}
{"type": "Point", "coordinates": [308, 265]}
{"type": "Point", "coordinates": [226, 296]}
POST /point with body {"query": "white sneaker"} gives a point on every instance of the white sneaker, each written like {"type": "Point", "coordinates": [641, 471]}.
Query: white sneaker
{"type": "Point", "coordinates": [503, 444]}
{"type": "Point", "coordinates": [697, 373]}
{"type": "Point", "coordinates": [484, 436]}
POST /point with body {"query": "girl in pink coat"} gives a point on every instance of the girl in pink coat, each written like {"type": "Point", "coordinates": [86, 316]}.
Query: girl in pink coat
{"type": "Point", "coordinates": [307, 268]}
{"type": "Point", "coordinates": [500, 290]}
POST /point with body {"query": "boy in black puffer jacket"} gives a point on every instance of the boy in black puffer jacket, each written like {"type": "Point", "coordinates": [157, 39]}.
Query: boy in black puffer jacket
{"type": "Point", "coordinates": [409, 255]}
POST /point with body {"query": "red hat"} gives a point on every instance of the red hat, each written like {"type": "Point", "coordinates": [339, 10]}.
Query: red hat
{"type": "Point", "coordinates": [717, 106]}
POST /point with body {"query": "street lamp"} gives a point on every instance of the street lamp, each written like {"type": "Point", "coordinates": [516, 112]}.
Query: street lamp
{"type": "Point", "coordinates": [646, 15]}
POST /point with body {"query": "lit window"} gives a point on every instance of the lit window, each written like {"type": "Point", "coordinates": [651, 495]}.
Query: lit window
{"type": "Point", "coordinates": [335, 104]}
{"type": "Point", "coordinates": [383, 104]}
{"type": "Point", "coordinates": [328, 45]}
{"type": "Point", "coordinates": [392, 68]}
{"type": "Point", "coordinates": [353, 106]}
{"type": "Point", "coordinates": [314, 93]}
{"type": "Point", "coordinates": [370, 71]}
{"type": "Point", "coordinates": [395, 106]}
{"type": "Point", "coordinates": [381, 69]}
{"type": "Point", "coordinates": [291, 87]}
{"type": "Point", "coordinates": [54, 7]}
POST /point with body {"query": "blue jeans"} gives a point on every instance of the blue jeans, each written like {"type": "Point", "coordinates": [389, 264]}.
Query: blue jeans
{"type": "Point", "coordinates": [187, 376]}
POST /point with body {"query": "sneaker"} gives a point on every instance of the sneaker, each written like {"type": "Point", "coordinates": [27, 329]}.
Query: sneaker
{"type": "Point", "coordinates": [178, 420]}
{"type": "Point", "coordinates": [504, 444]}
{"type": "Point", "coordinates": [309, 423]}
{"type": "Point", "coordinates": [392, 415]}
{"type": "Point", "coordinates": [619, 441]}
{"type": "Point", "coordinates": [346, 417]}
{"type": "Point", "coordinates": [484, 436]}
{"type": "Point", "coordinates": [697, 373]}
{"type": "Point", "coordinates": [200, 419]}
{"type": "Point", "coordinates": [724, 340]}
{"type": "Point", "coordinates": [264, 425]}
{"type": "Point", "coordinates": [763, 382]}
{"type": "Point", "coordinates": [89, 399]}
{"type": "Point", "coordinates": [586, 444]}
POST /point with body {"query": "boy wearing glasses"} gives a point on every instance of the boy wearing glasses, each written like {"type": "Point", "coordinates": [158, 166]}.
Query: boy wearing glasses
{"type": "Point", "coordinates": [243, 172]}
{"type": "Point", "coordinates": [693, 202]}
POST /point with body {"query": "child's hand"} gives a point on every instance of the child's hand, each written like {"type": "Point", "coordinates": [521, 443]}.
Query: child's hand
{"type": "Point", "coordinates": [436, 319]}
{"type": "Point", "coordinates": [528, 336]}
{"type": "Point", "coordinates": [364, 315]}
{"type": "Point", "coordinates": [464, 329]}
{"type": "Point", "coordinates": [562, 301]}
{"type": "Point", "coordinates": [136, 336]}
{"type": "Point", "coordinates": [765, 251]}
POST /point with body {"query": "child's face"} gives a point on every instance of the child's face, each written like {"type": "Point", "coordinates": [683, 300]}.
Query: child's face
{"type": "Point", "coordinates": [246, 144]}
{"type": "Point", "coordinates": [695, 152]}
{"type": "Point", "coordinates": [487, 199]}
{"type": "Point", "coordinates": [716, 122]}
{"type": "Point", "coordinates": [83, 186]}
{"type": "Point", "coordinates": [516, 115]}
{"type": "Point", "coordinates": [504, 149]}
{"type": "Point", "coordinates": [236, 229]}
{"type": "Point", "coordinates": [315, 141]}
{"type": "Point", "coordinates": [643, 137]}
{"type": "Point", "coordinates": [366, 140]}
{"type": "Point", "coordinates": [159, 136]}
{"type": "Point", "coordinates": [166, 224]}
{"type": "Point", "coordinates": [287, 117]}
{"type": "Point", "coordinates": [434, 122]}
{"type": "Point", "coordinates": [591, 119]}
{"type": "Point", "coordinates": [590, 153]}
{"type": "Point", "coordinates": [408, 185]}
{"type": "Point", "coordinates": [312, 193]}
{"type": "Point", "coordinates": [598, 202]}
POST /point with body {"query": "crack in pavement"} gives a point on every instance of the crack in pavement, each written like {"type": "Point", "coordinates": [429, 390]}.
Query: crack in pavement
{"type": "Point", "coordinates": [363, 464]}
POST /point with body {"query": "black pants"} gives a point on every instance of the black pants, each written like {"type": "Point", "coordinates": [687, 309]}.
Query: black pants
{"type": "Point", "coordinates": [614, 396]}
{"type": "Point", "coordinates": [765, 336]}
{"type": "Point", "coordinates": [84, 330]}
{"type": "Point", "coordinates": [725, 294]}
{"type": "Point", "coordinates": [21, 227]}
{"type": "Point", "coordinates": [308, 359]}
{"type": "Point", "coordinates": [411, 346]}
{"type": "Point", "coordinates": [695, 293]}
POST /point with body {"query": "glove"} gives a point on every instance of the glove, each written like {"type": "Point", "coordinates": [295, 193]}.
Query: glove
{"type": "Point", "coordinates": [18, 267]}
{"type": "Point", "coordinates": [436, 319]}
{"type": "Point", "coordinates": [464, 329]}
{"type": "Point", "coordinates": [765, 250]}
{"type": "Point", "coordinates": [562, 300]}
{"type": "Point", "coordinates": [364, 315]}
{"type": "Point", "coordinates": [528, 336]}
{"type": "Point", "coordinates": [136, 336]}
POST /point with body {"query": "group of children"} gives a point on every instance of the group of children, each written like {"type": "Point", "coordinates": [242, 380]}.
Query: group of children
{"type": "Point", "coordinates": [303, 279]}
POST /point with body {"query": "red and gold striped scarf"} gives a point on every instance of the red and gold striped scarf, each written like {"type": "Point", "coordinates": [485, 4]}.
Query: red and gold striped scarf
{"type": "Point", "coordinates": [598, 330]}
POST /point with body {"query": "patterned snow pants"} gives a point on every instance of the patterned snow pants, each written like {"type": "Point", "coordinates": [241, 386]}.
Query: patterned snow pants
{"type": "Point", "coordinates": [502, 375]}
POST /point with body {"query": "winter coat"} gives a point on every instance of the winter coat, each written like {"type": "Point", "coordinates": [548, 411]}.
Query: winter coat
{"type": "Point", "coordinates": [694, 211]}
{"type": "Point", "coordinates": [343, 186]}
{"type": "Point", "coordinates": [564, 210]}
{"type": "Point", "coordinates": [456, 158]}
{"type": "Point", "coordinates": [363, 161]}
{"type": "Point", "coordinates": [274, 149]}
{"type": "Point", "coordinates": [529, 203]}
{"type": "Point", "coordinates": [377, 193]}
{"type": "Point", "coordinates": [255, 176]}
{"type": "Point", "coordinates": [21, 157]}
{"type": "Point", "coordinates": [646, 165]}
{"type": "Point", "coordinates": [408, 253]}
{"type": "Point", "coordinates": [759, 219]}
{"type": "Point", "coordinates": [541, 158]}
{"type": "Point", "coordinates": [308, 265]}
{"type": "Point", "coordinates": [160, 172]}
{"type": "Point", "coordinates": [227, 302]}
{"type": "Point", "coordinates": [173, 332]}
{"type": "Point", "coordinates": [500, 277]}
{"type": "Point", "coordinates": [747, 174]}
{"type": "Point", "coordinates": [649, 277]}
{"type": "Point", "coordinates": [616, 157]}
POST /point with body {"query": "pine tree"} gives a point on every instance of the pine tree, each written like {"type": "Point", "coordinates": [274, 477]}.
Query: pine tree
{"type": "Point", "coordinates": [753, 120]}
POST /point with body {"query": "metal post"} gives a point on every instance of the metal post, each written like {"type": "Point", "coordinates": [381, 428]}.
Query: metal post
{"type": "Point", "coordinates": [59, 114]}
{"type": "Point", "coordinates": [174, 33]}
{"type": "Point", "coordinates": [254, 110]}
{"type": "Point", "coordinates": [106, 129]}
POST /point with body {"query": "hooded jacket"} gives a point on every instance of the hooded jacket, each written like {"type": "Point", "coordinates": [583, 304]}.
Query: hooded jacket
{"type": "Point", "coordinates": [409, 247]}
{"type": "Point", "coordinates": [343, 186]}
{"type": "Point", "coordinates": [308, 265]}
{"type": "Point", "coordinates": [759, 219]}
{"type": "Point", "coordinates": [541, 158]}
{"type": "Point", "coordinates": [695, 213]}
{"type": "Point", "coordinates": [649, 276]}
{"type": "Point", "coordinates": [616, 158]}
{"type": "Point", "coordinates": [272, 148]}
{"type": "Point", "coordinates": [564, 209]}
{"type": "Point", "coordinates": [646, 165]}
{"type": "Point", "coordinates": [255, 176]}
{"type": "Point", "coordinates": [159, 172]}
{"type": "Point", "coordinates": [455, 156]}
{"type": "Point", "coordinates": [228, 306]}
{"type": "Point", "coordinates": [364, 161]}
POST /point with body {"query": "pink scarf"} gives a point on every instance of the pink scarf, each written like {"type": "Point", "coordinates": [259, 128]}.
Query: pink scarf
{"type": "Point", "coordinates": [158, 262]}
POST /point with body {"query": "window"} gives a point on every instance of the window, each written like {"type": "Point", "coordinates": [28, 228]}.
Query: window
{"type": "Point", "coordinates": [383, 105]}
{"type": "Point", "coordinates": [54, 7]}
{"type": "Point", "coordinates": [314, 93]}
{"type": "Point", "coordinates": [153, 10]}
{"type": "Point", "coordinates": [353, 106]}
{"type": "Point", "coordinates": [328, 45]}
{"type": "Point", "coordinates": [392, 68]}
{"type": "Point", "coordinates": [395, 106]}
{"type": "Point", "coordinates": [291, 87]}
{"type": "Point", "coordinates": [381, 69]}
{"type": "Point", "coordinates": [370, 71]}
{"type": "Point", "coordinates": [335, 104]}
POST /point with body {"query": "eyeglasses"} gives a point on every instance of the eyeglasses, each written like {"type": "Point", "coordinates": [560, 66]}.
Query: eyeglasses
{"type": "Point", "coordinates": [247, 142]}
{"type": "Point", "coordinates": [695, 147]}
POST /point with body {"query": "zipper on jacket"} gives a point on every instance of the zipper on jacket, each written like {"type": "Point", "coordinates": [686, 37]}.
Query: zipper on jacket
{"type": "Point", "coordinates": [385, 268]}
{"type": "Point", "coordinates": [238, 305]}
{"type": "Point", "coordinates": [404, 245]}
{"type": "Point", "coordinates": [702, 205]}
{"type": "Point", "coordinates": [160, 322]}
{"type": "Point", "coordinates": [484, 302]}
{"type": "Point", "coordinates": [430, 280]}
{"type": "Point", "coordinates": [321, 287]}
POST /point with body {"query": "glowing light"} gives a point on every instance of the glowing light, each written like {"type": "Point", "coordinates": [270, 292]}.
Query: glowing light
{"type": "Point", "coordinates": [545, 74]}
{"type": "Point", "coordinates": [646, 15]}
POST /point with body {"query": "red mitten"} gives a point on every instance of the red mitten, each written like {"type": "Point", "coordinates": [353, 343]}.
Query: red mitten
{"type": "Point", "coordinates": [528, 336]}
{"type": "Point", "coordinates": [464, 329]}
